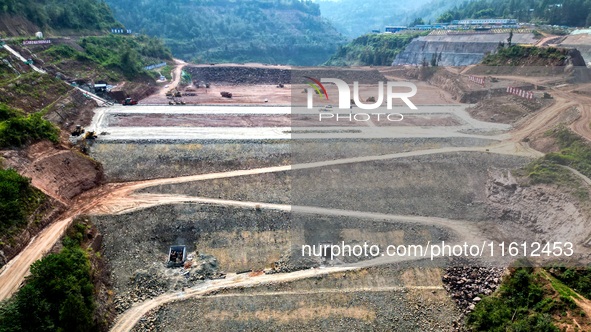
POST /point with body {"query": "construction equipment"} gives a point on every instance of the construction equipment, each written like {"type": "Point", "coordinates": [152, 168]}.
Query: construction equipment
{"type": "Point", "coordinates": [176, 101]}
{"type": "Point", "coordinates": [226, 94]}
{"type": "Point", "coordinates": [78, 131]}
{"type": "Point", "coordinates": [90, 135]}
{"type": "Point", "coordinates": [129, 101]}
{"type": "Point", "coordinates": [173, 93]}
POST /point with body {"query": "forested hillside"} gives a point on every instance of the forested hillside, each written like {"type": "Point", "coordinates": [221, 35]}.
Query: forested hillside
{"type": "Point", "coordinates": [372, 49]}
{"type": "Point", "coordinates": [568, 12]}
{"type": "Point", "coordinates": [354, 18]}
{"type": "Point", "coordinates": [56, 14]}
{"type": "Point", "coordinates": [268, 31]}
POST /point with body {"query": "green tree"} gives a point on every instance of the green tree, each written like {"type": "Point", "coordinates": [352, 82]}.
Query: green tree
{"type": "Point", "coordinates": [416, 21]}
{"type": "Point", "coordinates": [58, 296]}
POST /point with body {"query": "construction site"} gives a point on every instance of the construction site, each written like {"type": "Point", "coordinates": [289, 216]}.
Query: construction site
{"type": "Point", "coordinates": [215, 181]}
{"type": "Point", "coordinates": [243, 182]}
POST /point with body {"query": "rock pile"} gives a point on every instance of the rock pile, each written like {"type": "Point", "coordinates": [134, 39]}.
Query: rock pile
{"type": "Point", "coordinates": [235, 75]}
{"type": "Point", "coordinates": [145, 284]}
{"type": "Point", "coordinates": [293, 263]}
{"type": "Point", "coordinates": [240, 75]}
{"type": "Point", "coordinates": [467, 284]}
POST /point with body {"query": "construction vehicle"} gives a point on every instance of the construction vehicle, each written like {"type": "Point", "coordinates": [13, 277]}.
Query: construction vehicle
{"type": "Point", "coordinates": [226, 94]}
{"type": "Point", "coordinates": [129, 101]}
{"type": "Point", "coordinates": [173, 93]}
{"type": "Point", "coordinates": [175, 101]}
{"type": "Point", "coordinates": [90, 135]}
{"type": "Point", "coordinates": [78, 131]}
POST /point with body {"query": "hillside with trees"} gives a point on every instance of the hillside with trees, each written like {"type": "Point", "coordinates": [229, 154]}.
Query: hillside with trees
{"type": "Point", "coordinates": [575, 13]}
{"type": "Point", "coordinates": [54, 15]}
{"type": "Point", "coordinates": [371, 50]}
{"type": "Point", "coordinates": [354, 18]}
{"type": "Point", "coordinates": [206, 31]}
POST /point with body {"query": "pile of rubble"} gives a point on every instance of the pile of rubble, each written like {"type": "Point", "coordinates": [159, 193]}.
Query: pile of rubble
{"type": "Point", "coordinates": [149, 322]}
{"type": "Point", "coordinates": [147, 284]}
{"type": "Point", "coordinates": [287, 264]}
{"type": "Point", "coordinates": [466, 284]}
{"type": "Point", "coordinates": [240, 74]}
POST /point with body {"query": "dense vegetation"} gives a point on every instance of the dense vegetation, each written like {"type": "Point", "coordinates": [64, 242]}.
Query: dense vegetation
{"type": "Point", "coordinates": [371, 49]}
{"type": "Point", "coordinates": [17, 129]}
{"type": "Point", "coordinates": [129, 55]}
{"type": "Point", "coordinates": [354, 18]}
{"type": "Point", "coordinates": [526, 301]}
{"type": "Point", "coordinates": [59, 295]}
{"type": "Point", "coordinates": [574, 152]}
{"type": "Point", "coordinates": [517, 55]}
{"type": "Point", "coordinates": [62, 14]}
{"type": "Point", "coordinates": [126, 55]}
{"type": "Point", "coordinates": [268, 31]}
{"type": "Point", "coordinates": [18, 199]}
{"type": "Point", "coordinates": [567, 12]}
{"type": "Point", "coordinates": [577, 279]}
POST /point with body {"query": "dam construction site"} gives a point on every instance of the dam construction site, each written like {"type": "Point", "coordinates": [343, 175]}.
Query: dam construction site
{"type": "Point", "coordinates": [255, 197]}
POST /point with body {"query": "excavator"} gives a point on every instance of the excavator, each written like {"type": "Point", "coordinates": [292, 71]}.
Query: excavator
{"type": "Point", "coordinates": [81, 132]}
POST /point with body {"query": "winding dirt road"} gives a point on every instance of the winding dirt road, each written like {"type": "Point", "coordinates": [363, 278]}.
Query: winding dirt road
{"type": "Point", "coordinates": [563, 100]}
{"type": "Point", "coordinates": [121, 198]}
{"type": "Point", "coordinates": [116, 197]}
{"type": "Point", "coordinates": [464, 231]}
{"type": "Point", "coordinates": [129, 319]}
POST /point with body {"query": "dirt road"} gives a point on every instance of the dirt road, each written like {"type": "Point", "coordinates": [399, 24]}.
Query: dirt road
{"type": "Point", "coordinates": [116, 198]}
{"type": "Point", "coordinates": [464, 230]}
{"type": "Point", "coordinates": [564, 100]}
{"type": "Point", "coordinates": [127, 321]}
{"type": "Point", "coordinates": [466, 126]}
{"type": "Point", "coordinates": [176, 78]}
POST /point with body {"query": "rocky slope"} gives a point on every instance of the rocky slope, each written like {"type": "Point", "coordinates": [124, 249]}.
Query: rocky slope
{"type": "Point", "coordinates": [456, 49]}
